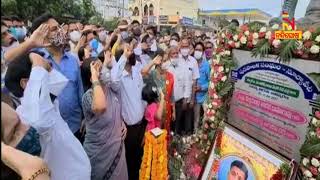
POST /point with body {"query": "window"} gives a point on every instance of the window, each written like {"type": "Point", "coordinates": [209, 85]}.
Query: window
{"type": "Point", "coordinates": [151, 10]}
{"type": "Point", "coordinates": [145, 10]}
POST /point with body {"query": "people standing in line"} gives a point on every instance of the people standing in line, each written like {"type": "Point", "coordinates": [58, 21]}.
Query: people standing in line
{"type": "Point", "coordinates": [201, 88]}
{"type": "Point", "coordinates": [68, 64]}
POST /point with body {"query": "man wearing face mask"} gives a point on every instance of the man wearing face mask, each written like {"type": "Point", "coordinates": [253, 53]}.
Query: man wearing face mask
{"type": "Point", "coordinates": [38, 121]}
{"type": "Point", "coordinates": [122, 33]}
{"type": "Point", "coordinates": [8, 40]}
{"type": "Point", "coordinates": [202, 84]}
{"type": "Point", "coordinates": [19, 30]}
{"type": "Point", "coordinates": [174, 40]}
{"type": "Point", "coordinates": [191, 73]}
{"type": "Point", "coordinates": [209, 50]}
{"type": "Point", "coordinates": [132, 111]}
{"type": "Point", "coordinates": [68, 64]}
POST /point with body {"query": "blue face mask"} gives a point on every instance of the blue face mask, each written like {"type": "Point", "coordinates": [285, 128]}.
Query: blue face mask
{"type": "Point", "coordinates": [94, 44]}
{"type": "Point", "coordinates": [20, 33]}
{"type": "Point", "coordinates": [13, 32]}
{"type": "Point", "coordinates": [30, 143]}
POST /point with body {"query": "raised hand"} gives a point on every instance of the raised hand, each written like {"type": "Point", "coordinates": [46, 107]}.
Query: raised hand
{"type": "Point", "coordinates": [107, 58]}
{"type": "Point", "coordinates": [128, 50]}
{"type": "Point", "coordinates": [157, 60]}
{"type": "Point", "coordinates": [95, 68]}
{"type": "Point", "coordinates": [37, 39]}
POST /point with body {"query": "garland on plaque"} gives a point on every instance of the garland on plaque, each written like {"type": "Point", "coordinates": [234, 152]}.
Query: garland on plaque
{"type": "Point", "coordinates": [155, 158]}
{"type": "Point", "coordinates": [310, 150]}
{"type": "Point", "coordinates": [188, 155]}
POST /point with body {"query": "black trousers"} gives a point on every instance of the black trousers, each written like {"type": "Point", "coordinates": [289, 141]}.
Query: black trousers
{"type": "Point", "coordinates": [134, 148]}
{"type": "Point", "coordinates": [184, 119]}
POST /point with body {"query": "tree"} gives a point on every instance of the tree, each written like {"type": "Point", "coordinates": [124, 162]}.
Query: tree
{"type": "Point", "coordinates": [30, 9]}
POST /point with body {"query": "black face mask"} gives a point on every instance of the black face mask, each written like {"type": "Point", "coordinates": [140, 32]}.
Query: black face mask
{"type": "Point", "coordinates": [132, 59]}
{"type": "Point", "coordinates": [30, 143]}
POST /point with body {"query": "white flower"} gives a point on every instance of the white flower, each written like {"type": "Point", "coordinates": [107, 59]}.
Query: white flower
{"type": "Point", "coordinates": [255, 35]}
{"type": "Point", "coordinates": [230, 42]}
{"type": "Point", "coordinates": [307, 173]}
{"type": "Point", "coordinates": [212, 86]}
{"type": "Point", "coordinates": [227, 53]}
{"type": "Point", "coordinates": [210, 106]}
{"type": "Point", "coordinates": [314, 49]}
{"type": "Point", "coordinates": [312, 133]}
{"type": "Point", "coordinates": [268, 35]}
{"type": "Point", "coordinates": [275, 26]}
{"type": "Point", "coordinates": [305, 161]}
{"type": "Point", "coordinates": [306, 35]}
{"type": "Point", "coordinates": [312, 179]}
{"type": "Point", "coordinates": [212, 118]}
{"type": "Point", "coordinates": [227, 69]}
{"type": "Point", "coordinates": [317, 39]}
{"type": "Point", "coordinates": [220, 69]}
{"type": "Point", "coordinates": [223, 35]}
{"type": "Point", "coordinates": [276, 43]}
{"type": "Point", "coordinates": [300, 45]}
{"type": "Point", "coordinates": [319, 169]}
{"type": "Point", "coordinates": [224, 78]}
{"type": "Point", "coordinates": [235, 37]}
{"type": "Point", "coordinates": [254, 41]}
{"type": "Point", "coordinates": [243, 40]}
{"type": "Point", "coordinates": [247, 33]}
{"type": "Point", "coordinates": [315, 121]}
{"type": "Point", "coordinates": [175, 154]}
{"type": "Point", "coordinates": [237, 44]}
{"type": "Point", "coordinates": [215, 96]}
{"type": "Point", "coordinates": [315, 162]}
{"type": "Point", "coordinates": [263, 29]}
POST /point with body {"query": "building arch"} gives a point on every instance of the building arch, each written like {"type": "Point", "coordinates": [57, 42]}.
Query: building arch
{"type": "Point", "coordinates": [145, 10]}
{"type": "Point", "coordinates": [151, 10]}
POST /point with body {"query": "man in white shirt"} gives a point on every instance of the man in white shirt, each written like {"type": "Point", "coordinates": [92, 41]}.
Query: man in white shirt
{"type": "Point", "coordinates": [132, 109]}
{"type": "Point", "coordinates": [191, 74]}
{"type": "Point", "coordinates": [60, 149]}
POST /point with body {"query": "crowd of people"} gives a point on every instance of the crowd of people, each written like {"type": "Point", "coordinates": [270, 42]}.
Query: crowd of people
{"type": "Point", "coordinates": [81, 97]}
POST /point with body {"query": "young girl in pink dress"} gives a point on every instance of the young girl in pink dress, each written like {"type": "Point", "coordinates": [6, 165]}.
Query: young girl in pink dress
{"type": "Point", "coordinates": [154, 110]}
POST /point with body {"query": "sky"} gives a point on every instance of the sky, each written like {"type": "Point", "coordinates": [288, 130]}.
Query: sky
{"type": "Point", "coordinates": [272, 7]}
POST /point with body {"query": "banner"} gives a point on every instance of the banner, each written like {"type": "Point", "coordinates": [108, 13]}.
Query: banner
{"type": "Point", "coordinates": [272, 102]}
{"type": "Point", "coordinates": [240, 158]}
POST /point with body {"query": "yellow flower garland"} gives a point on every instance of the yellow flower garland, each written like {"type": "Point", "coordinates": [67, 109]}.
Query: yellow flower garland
{"type": "Point", "coordinates": [155, 159]}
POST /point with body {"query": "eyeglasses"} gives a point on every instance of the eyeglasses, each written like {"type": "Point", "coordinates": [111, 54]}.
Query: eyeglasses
{"type": "Point", "coordinates": [210, 47]}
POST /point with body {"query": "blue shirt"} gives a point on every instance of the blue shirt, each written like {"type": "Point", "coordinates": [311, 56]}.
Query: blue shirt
{"type": "Point", "coordinates": [71, 96]}
{"type": "Point", "coordinates": [203, 81]}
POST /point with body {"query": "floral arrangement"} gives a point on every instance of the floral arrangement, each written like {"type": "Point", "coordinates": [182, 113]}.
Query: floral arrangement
{"type": "Point", "coordinates": [155, 158]}
{"type": "Point", "coordinates": [261, 41]}
{"type": "Point", "coordinates": [310, 150]}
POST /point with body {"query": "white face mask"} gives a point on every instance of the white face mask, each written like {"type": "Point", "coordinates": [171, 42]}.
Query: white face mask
{"type": "Point", "coordinates": [75, 36]}
{"type": "Point", "coordinates": [185, 52]}
{"type": "Point", "coordinates": [198, 54]}
{"type": "Point", "coordinates": [173, 43]}
{"type": "Point", "coordinates": [137, 51]}
{"type": "Point", "coordinates": [56, 82]}
{"type": "Point", "coordinates": [153, 47]}
{"type": "Point", "coordinates": [102, 36]}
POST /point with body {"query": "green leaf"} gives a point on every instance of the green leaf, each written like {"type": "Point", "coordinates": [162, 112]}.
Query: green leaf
{"type": "Point", "coordinates": [310, 149]}
{"type": "Point", "coordinates": [287, 48]}
{"type": "Point", "coordinates": [225, 89]}
{"type": "Point", "coordinates": [262, 49]}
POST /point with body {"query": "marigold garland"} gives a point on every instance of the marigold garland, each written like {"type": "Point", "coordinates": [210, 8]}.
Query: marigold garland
{"type": "Point", "coordinates": [155, 158]}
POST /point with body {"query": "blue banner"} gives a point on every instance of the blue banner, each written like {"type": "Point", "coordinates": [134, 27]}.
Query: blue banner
{"type": "Point", "coordinates": [309, 89]}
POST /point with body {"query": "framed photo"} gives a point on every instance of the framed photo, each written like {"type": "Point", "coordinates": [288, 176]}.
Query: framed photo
{"type": "Point", "coordinates": [236, 156]}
